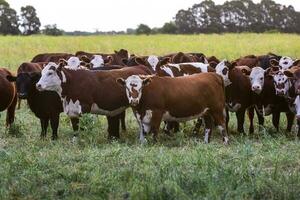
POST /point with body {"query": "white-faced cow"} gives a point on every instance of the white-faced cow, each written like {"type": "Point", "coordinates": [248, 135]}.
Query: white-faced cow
{"type": "Point", "coordinates": [85, 91]}
{"type": "Point", "coordinates": [155, 98]}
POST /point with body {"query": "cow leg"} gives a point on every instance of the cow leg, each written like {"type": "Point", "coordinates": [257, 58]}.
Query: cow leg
{"type": "Point", "coordinates": [44, 126]}
{"type": "Point", "coordinates": [113, 127]}
{"type": "Point", "coordinates": [10, 114]}
{"type": "Point", "coordinates": [198, 126]}
{"type": "Point", "coordinates": [290, 120]}
{"type": "Point", "coordinates": [54, 121]}
{"type": "Point", "coordinates": [19, 104]}
{"type": "Point", "coordinates": [275, 120]}
{"type": "Point", "coordinates": [122, 119]}
{"type": "Point", "coordinates": [155, 123]}
{"type": "Point", "coordinates": [219, 117]}
{"type": "Point", "coordinates": [240, 115]}
{"type": "Point", "coordinates": [75, 124]}
{"type": "Point", "coordinates": [208, 128]}
{"type": "Point", "coordinates": [261, 119]}
{"type": "Point", "coordinates": [298, 124]}
{"type": "Point", "coordinates": [227, 119]}
{"type": "Point", "coordinates": [251, 116]}
{"type": "Point", "coordinates": [175, 127]}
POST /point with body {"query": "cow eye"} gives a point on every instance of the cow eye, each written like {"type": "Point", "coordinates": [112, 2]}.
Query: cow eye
{"type": "Point", "coordinates": [261, 78]}
{"type": "Point", "coordinates": [50, 73]}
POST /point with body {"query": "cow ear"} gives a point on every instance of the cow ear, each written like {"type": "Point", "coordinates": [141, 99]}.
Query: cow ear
{"type": "Point", "coordinates": [82, 63]}
{"type": "Point", "coordinates": [178, 57]}
{"type": "Point", "coordinates": [11, 78]}
{"type": "Point", "coordinates": [140, 61]}
{"type": "Point", "coordinates": [246, 72]}
{"type": "Point", "coordinates": [121, 81]}
{"type": "Point", "coordinates": [231, 65]}
{"type": "Point", "coordinates": [108, 60]}
{"type": "Point", "coordinates": [289, 74]}
{"type": "Point", "coordinates": [274, 63]}
{"type": "Point", "coordinates": [124, 61]}
{"type": "Point", "coordinates": [60, 66]}
{"type": "Point", "coordinates": [146, 81]}
{"type": "Point", "coordinates": [165, 61]}
{"type": "Point", "coordinates": [213, 64]}
{"type": "Point", "coordinates": [84, 58]}
{"type": "Point", "coordinates": [296, 63]}
{"type": "Point", "coordinates": [273, 70]}
{"type": "Point", "coordinates": [63, 62]}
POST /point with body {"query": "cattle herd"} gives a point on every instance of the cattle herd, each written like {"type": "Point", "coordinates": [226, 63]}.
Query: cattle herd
{"type": "Point", "coordinates": [172, 88]}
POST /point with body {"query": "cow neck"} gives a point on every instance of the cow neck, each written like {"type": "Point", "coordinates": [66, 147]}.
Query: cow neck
{"type": "Point", "coordinates": [66, 80]}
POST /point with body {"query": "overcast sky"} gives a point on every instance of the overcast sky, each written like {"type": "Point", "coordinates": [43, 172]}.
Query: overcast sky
{"type": "Point", "coordinates": [106, 15]}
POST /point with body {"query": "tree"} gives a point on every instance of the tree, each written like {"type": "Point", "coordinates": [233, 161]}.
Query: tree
{"type": "Point", "coordinates": [30, 22]}
{"type": "Point", "coordinates": [169, 28]}
{"type": "Point", "coordinates": [185, 21]}
{"type": "Point", "coordinates": [143, 29]}
{"type": "Point", "coordinates": [52, 30]}
{"type": "Point", "coordinates": [4, 3]}
{"type": "Point", "coordinates": [9, 21]}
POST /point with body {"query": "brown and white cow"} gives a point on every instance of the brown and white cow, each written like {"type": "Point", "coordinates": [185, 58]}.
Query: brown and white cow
{"type": "Point", "coordinates": [238, 93]}
{"type": "Point", "coordinates": [116, 58]}
{"type": "Point", "coordinates": [266, 100]}
{"type": "Point", "coordinates": [86, 91]}
{"type": "Point", "coordinates": [8, 96]}
{"type": "Point", "coordinates": [50, 57]}
{"type": "Point", "coordinates": [155, 98]}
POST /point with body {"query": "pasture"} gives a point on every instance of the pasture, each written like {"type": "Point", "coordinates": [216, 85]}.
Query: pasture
{"type": "Point", "coordinates": [265, 165]}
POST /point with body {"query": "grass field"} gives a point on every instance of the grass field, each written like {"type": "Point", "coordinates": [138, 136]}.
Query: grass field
{"type": "Point", "coordinates": [265, 165]}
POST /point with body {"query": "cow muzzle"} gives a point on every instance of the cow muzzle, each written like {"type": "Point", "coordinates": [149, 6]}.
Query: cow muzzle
{"type": "Point", "coordinates": [39, 87]}
{"type": "Point", "coordinates": [22, 95]}
{"type": "Point", "coordinates": [134, 102]}
{"type": "Point", "coordinates": [257, 89]}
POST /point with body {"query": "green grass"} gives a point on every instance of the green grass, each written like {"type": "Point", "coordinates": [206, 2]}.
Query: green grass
{"type": "Point", "coordinates": [265, 165]}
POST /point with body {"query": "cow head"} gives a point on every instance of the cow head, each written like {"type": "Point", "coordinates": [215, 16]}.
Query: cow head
{"type": "Point", "coordinates": [281, 82]}
{"type": "Point", "coordinates": [257, 79]}
{"type": "Point", "coordinates": [52, 78]}
{"type": "Point", "coordinates": [152, 62]}
{"type": "Point", "coordinates": [294, 77]}
{"type": "Point", "coordinates": [25, 83]}
{"type": "Point", "coordinates": [223, 69]}
{"type": "Point", "coordinates": [285, 63]}
{"type": "Point", "coordinates": [97, 61]}
{"type": "Point", "coordinates": [134, 85]}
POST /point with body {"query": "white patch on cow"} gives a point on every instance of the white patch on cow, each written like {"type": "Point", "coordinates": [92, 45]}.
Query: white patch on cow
{"type": "Point", "coordinates": [279, 80]}
{"type": "Point", "coordinates": [177, 66]}
{"type": "Point", "coordinates": [141, 133]}
{"type": "Point", "coordinates": [96, 110]}
{"type": "Point", "coordinates": [97, 61]}
{"type": "Point", "coordinates": [153, 61]}
{"type": "Point", "coordinates": [72, 108]}
{"type": "Point", "coordinates": [286, 62]}
{"type": "Point", "coordinates": [257, 78]}
{"type": "Point", "coordinates": [203, 67]}
{"type": "Point", "coordinates": [73, 63]}
{"type": "Point", "coordinates": [297, 106]}
{"type": "Point", "coordinates": [206, 137]}
{"type": "Point", "coordinates": [219, 70]}
{"type": "Point", "coordinates": [233, 107]}
{"type": "Point", "coordinates": [136, 83]}
{"type": "Point", "coordinates": [168, 117]}
{"type": "Point", "coordinates": [64, 78]}
{"type": "Point", "coordinates": [50, 80]}
{"type": "Point", "coordinates": [167, 70]}
{"type": "Point", "coordinates": [186, 75]}
{"type": "Point", "coordinates": [146, 121]}
{"type": "Point", "coordinates": [205, 61]}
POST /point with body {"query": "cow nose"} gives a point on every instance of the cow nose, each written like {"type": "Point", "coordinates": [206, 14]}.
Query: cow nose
{"type": "Point", "coordinates": [22, 95]}
{"type": "Point", "coordinates": [38, 86]}
{"type": "Point", "coordinates": [280, 93]}
{"type": "Point", "coordinates": [256, 88]}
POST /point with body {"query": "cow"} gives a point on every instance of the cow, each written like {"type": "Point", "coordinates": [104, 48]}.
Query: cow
{"type": "Point", "coordinates": [181, 57]}
{"type": "Point", "coordinates": [238, 93]}
{"type": "Point", "coordinates": [266, 100]}
{"type": "Point", "coordinates": [47, 105]}
{"type": "Point", "coordinates": [50, 57]}
{"type": "Point", "coordinates": [262, 61]}
{"type": "Point", "coordinates": [117, 58]}
{"type": "Point", "coordinates": [86, 91]}
{"type": "Point", "coordinates": [8, 96]}
{"type": "Point", "coordinates": [153, 62]}
{"type": "Point", "coordinates": [155, 98]}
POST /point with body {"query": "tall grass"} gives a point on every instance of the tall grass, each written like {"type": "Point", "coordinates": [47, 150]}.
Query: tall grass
{"type": "Point", "coordinates": [265, 165]}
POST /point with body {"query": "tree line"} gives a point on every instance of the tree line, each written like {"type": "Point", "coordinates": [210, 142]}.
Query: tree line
{"type": "Point", "coordinates": [205, 17]}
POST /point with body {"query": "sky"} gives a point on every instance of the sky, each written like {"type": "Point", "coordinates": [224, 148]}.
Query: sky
{"type": "Point", "coordinates": [107, 15]}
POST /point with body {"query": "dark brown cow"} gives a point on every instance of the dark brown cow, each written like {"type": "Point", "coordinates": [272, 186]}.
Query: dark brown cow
{"type": "Point", "coordinates": [85, 91]}
{"type": "Point", "coordinates": [181, 57]}
{"type": "Point", "coordinates": [47, 105]}
{"type": "Point", "coordinates": [152, 62]}
{"type": "Point", "coordinates": [262, 61]}
{"type": "Point", "coordinates": [155, 98]}
{"type": "Point", "coordinates": [117, 58]}
{"type": "Point", "coordinates": [8, 96]}
{"type": "Point", "coordinates": [238, 93]}
{"type": "Point", "coordinates": [50, 57]}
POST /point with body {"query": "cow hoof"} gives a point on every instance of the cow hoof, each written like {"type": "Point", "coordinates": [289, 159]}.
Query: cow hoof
{"type": "Point", "coordinates": [225, 141]}
{"type": "Point", "coordinates": [74, 139]}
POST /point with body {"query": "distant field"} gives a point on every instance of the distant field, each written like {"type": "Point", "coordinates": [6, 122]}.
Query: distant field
{"type": "Point", "coordinates": [265, 165]}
